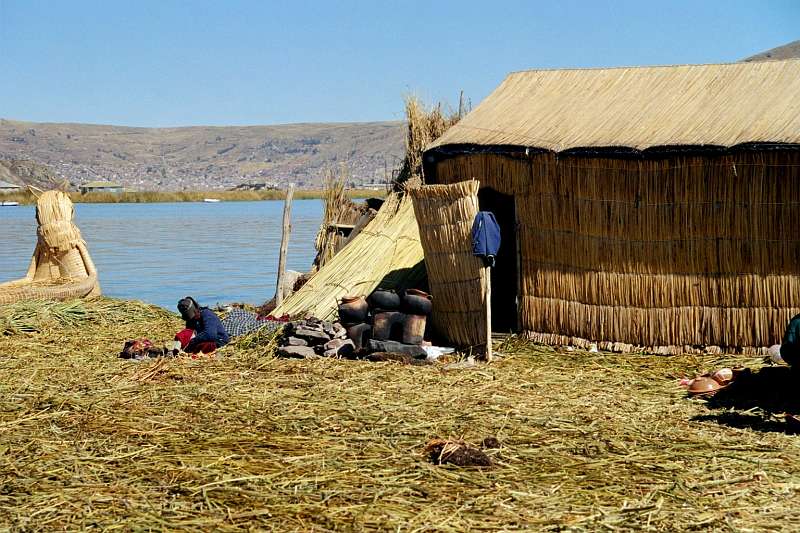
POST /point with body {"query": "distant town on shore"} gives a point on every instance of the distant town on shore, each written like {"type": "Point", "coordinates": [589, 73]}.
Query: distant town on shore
{"type": "Point", "coordinates": [113, 159]}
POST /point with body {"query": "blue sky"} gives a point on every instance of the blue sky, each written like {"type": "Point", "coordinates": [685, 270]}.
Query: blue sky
{"type": "Point", "coordinates": [175, 63]}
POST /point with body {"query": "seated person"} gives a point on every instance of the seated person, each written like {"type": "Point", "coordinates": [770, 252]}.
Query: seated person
{"type": "Point", "coordinates": [790, 347]}
{"type": "Point", "coordinates": [204, 332]}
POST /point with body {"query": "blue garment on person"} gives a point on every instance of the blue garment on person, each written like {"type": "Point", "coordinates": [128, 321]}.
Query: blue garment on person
{"type": "Point", "coordinates": [790, 347]}
{"type": "Point", "coordinates": [485, 237]}
{"type": "Point", "coordinates": [208, 329]}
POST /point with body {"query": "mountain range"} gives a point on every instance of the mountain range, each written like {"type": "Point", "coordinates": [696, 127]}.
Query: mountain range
{"type": "Point", "coordinates": [199, 158]}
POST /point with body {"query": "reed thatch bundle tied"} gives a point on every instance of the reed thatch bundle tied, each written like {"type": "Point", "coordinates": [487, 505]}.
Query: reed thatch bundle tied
{"type": "Point", "coordinates": [59, 236]}
{"type": "Point", "coordinates": [55, 214]}
{"type": "Point", "coordinates": [61, 267]}
{"type": "Point", "coordinates": [457, 281]}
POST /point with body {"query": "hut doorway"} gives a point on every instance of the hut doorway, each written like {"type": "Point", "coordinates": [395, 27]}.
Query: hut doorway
{"type": "Point", "coordinates": [505, 275]}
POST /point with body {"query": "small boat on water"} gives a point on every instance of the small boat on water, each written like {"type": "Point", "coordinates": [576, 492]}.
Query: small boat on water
{"type": "Point", "coordinates": [211, 200]}
{"type": "Point", "coordinates": [9, 204]}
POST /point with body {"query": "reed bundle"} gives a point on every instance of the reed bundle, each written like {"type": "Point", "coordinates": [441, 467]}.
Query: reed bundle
{"type": "Point", "coordinates": [456, 278]}
{"type": "Point", "coordinates": [387, 253]}
{"type": "Point", "coordinates": [668, 252]}
{"type": "Point", "coordinates": [339, 209]}
{"type": "Point", "coordinates": [246, 441]}
{"type": "Point", "coordinates": [61, 267]}
{"type": "Point", "coordinates": [423, 127]}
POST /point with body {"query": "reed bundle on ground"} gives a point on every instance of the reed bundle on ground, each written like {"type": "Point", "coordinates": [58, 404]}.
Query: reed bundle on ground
{"type": "Point", "coordinates": [456, 277]}
{"type": "Point", "coordinates": [36, 316]}
{"type": "Point", "coordinates": [675, 233]}
{"type": "Point", "coordinates": [249, 441]}
{"type": "Point", "coordinates": [61, 267]}
{"type": "Point", "coordinates": [386, 253]}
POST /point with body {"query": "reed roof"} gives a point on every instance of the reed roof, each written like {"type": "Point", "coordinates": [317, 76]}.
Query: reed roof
{"type": "Point", "coordinates": [638, 108]}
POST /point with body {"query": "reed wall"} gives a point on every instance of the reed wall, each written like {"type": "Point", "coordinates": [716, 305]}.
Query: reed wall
{"type": "Point", "coordinates": [680, 250]}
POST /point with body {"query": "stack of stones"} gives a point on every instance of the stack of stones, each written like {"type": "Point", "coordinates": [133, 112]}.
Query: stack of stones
{"type": "Point", "coordinates": [309, 338]}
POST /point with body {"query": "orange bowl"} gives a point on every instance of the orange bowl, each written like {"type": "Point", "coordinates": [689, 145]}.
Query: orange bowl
{"type": "Point", "coordinates": [703, 385]}
{"type": "Point", "coordinates": [723, 376]}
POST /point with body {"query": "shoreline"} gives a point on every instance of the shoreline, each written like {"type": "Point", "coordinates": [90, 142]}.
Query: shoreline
{"type": "Point", "coordinates": [141, 197]}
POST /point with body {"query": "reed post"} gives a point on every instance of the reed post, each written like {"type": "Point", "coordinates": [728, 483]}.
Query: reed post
{"type": "Point", "coordinates": [488, 353]}
{"type": "Point", "coordinates": [287, 229]}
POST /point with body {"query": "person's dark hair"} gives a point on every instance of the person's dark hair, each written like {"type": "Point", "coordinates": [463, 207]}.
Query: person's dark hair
{"type": "Point", "coordinates": [188, 308]}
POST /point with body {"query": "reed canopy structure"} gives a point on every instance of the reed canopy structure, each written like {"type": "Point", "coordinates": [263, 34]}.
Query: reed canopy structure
{"type": "Point", "coordinates": [653, 207]}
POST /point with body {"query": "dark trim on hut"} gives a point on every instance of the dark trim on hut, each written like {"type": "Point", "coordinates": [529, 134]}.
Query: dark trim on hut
{"type": "Point", "coordinates": [441, 153]}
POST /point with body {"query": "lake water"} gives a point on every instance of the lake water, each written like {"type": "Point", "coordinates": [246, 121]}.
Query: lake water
{"type": "Point", "coordinates": [217, 252]}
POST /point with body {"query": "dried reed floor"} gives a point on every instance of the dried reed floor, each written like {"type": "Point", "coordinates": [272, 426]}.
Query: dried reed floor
{"type": "Point", "coordinates": [589, 441]}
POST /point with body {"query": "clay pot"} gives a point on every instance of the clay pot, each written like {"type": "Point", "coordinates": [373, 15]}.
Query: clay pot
{"type": "Point", "coordinates": [388, 324]}
{"type": "Point", "coordinates": [414, 329]}
{"type": "Point", "coordinates": [384, 299]}
{"type": "Point", "coordinates": [703, 386]}
{"type": "Point", "coordinates": [360, 335]}
{"type": "Point", "coordinates": [416, 302]}
{"type": "Point", "coordinates": [723, 376]}
{"type": "Point", "coordinates": [417, 292]}
{"type": "Point", "coordinates": [353, 310]}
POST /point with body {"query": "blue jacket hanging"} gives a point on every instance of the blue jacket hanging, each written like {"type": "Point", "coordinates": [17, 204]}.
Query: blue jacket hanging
{"type": "Point", "coordinates": [485, 237]}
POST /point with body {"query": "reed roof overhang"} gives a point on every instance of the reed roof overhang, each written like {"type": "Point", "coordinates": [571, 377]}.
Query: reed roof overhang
{"type": "Point", "coordinates": [635, 111]}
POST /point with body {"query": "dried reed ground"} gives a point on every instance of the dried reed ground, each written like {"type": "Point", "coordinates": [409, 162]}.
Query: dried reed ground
{"type": "Point", "coordinates": [590, 441]}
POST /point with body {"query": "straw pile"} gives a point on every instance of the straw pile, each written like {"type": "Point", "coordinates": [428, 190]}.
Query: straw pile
{"type": "Point", "coordinates": [250, 442]}
{"type": "Point", "coordinates": [686, 250]}
{"type": "Point", "coordinates": [61, 267]}
{"type": "Point", "coordinates": [457, 281]}
{"type": "Point", "coordinates": [386, 253]}
{"type": "Point", "coordinates": [423, 127]}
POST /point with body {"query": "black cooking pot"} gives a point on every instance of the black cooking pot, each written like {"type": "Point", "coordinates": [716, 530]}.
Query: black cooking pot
{"type": "Point", "coordinates": [385, 299]}
{"type": "Point", "coordinates": [416, 302]}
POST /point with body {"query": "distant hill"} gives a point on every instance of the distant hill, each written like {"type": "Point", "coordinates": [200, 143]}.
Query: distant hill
{"type": "Point", "coordinates": [787, 51]}
{"type": "Point", "coordinates": [202, 157]}
{"type": "Point", "coordinates": [27, 173]}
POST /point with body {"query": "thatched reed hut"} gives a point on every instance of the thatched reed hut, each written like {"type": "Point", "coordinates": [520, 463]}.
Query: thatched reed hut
{"type": "Point", "coordinates": [650, 207]}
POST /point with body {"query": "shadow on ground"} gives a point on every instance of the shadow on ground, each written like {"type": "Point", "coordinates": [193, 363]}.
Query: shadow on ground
{"type": "Point", "coordinates": [754, 400]}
